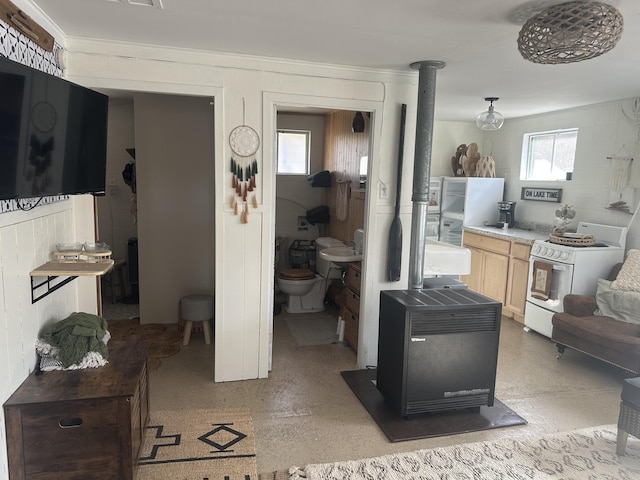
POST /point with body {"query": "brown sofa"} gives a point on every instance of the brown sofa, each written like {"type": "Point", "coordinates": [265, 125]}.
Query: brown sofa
{"type": "Point", "coordinates": [602, 337]}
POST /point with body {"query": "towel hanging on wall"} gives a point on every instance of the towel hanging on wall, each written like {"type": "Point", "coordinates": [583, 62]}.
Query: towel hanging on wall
{"type": "Point", "coordinates": [620, 171]}
{"type": "Point", "coordinates": [342, 197]}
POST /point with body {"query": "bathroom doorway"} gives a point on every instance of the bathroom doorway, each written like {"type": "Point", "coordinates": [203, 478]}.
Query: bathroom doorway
{"type": "Point", "coordinates": [336, 148]}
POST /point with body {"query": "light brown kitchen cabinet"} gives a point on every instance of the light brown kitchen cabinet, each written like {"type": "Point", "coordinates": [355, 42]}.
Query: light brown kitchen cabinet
{"type": "Point", "coordinates": [518, 281]}
{"type": "Point", "coordinates": [489, 265]}
{"type": "Point", "coordinates": [499, 270]}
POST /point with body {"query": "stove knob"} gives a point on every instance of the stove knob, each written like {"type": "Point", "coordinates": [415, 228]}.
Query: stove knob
{"type": "Point", "coordinates": [536, 248]}
{"type": "Point", "coordinates": [564, 255]}
{"type": "Point", "coordinates": [550, 252]}
{"type": "Point", "coordinates": [543, 251]}
{"type": "Point", "coordinates": [557, 254]}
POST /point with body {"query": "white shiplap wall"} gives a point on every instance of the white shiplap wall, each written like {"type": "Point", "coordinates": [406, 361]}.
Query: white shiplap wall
{"type": "Point", "coordinates": [26, 240]}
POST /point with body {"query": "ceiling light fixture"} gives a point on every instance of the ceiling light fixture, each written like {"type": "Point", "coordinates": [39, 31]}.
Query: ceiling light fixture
{"type": "Point", "coordinates": [490, 120]}
{"type": "Point", "coordinates": [358, 123]}
{"type": "Point", "coordinates": [570, 32]}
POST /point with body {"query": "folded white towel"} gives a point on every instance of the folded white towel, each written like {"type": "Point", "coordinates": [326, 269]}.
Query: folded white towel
{"type": "Point", "coordinates": [49, 361]}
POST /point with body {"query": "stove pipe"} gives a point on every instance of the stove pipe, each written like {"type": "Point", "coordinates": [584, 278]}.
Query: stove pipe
{"type": "Point", "coordinates": [422, 167]}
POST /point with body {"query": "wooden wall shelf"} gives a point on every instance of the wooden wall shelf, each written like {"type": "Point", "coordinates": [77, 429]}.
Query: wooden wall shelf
{"type": "Point", "coordinates": [69, 268]}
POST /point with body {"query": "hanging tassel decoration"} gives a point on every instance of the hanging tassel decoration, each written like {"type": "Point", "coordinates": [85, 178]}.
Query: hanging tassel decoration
{"type": "Point", "coordinates": [244, 216]}
{"type": "Point", "coordinates": [233, 173]}
{"type": "Point", "coordinates": [248, 176]}
{"type": "Point", "coordinates": [254, 201]}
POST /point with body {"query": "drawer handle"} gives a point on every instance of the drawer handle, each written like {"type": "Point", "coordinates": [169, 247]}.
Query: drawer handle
{"type": "Point", "coordinates": [73, 422]}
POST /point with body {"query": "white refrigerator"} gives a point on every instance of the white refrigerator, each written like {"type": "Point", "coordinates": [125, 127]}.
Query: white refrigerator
{"type": "Point", "coordinates": [468, 201]}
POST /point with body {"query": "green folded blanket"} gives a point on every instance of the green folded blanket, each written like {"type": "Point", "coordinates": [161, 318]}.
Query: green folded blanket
{"type": "Point", "coordinates": [77, 335]}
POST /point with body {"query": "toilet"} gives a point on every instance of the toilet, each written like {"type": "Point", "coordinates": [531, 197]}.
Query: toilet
{"type": "Point", "coordinates": [306, 290]}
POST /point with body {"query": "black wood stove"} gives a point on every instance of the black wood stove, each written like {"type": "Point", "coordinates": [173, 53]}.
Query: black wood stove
{"type": "Point", "coordinates": [437, 349]}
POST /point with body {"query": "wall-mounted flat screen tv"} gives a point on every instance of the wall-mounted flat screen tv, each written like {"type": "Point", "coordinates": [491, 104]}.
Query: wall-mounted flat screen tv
{"type": "Point", "coordinates": [53, 135]}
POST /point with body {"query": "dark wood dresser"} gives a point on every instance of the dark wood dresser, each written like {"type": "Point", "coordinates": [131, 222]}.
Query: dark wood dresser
{"type": "Point", "coordinates": [81, 424]}
{"type": "Point", "coordinates": [351, 311]}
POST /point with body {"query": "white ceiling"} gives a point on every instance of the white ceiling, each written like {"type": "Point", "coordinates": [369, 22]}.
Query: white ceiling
{"type": "Point", "coordinates": [475, 38]}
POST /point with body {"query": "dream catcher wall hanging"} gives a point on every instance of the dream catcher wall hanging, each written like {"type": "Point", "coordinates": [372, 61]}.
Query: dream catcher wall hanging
{"type": "Point", "coordinates": [244, 142]}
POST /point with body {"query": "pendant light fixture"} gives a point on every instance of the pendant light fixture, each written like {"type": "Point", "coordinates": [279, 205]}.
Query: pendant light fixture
{"type": "Point", "coordinates": [490, 119]}
{"type": "Point", "coordinates": [358, 123]}
{"type": "Point", "coordinates": [570, 32]}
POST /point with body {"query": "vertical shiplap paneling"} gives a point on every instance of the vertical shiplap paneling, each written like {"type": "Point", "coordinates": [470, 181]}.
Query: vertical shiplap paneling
{"type": "Point", "coordinates": [11, 270]}
{"type": "Point", "coordinates": [231, 332]}
{"type": "Point", "coordinates": [343, 150]}
{"type": "Point", "coordinates": [5, 377]}
{"type": "Point", "coordinates": [26, 241]}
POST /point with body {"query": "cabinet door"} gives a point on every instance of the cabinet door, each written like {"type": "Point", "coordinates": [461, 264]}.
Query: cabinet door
{"type": "Point", "coordinates": [517, 288]}
{"type": "Point", "coordinates": [496, 272]}
{"type": "Point", "coordinates": [474, 279]}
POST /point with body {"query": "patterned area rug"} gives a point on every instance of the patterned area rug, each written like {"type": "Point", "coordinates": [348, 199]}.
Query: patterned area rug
{"type": "Point", "coordinates": [198, 445]}
{"type": "Point", "coordinates": [163, 340]}
{"type": "Point", "coordinates": [581, 454]}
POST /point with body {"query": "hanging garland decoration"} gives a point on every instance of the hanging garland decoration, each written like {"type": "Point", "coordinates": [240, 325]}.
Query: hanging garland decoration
{"type": "Point", "coordinates": [244, 142]}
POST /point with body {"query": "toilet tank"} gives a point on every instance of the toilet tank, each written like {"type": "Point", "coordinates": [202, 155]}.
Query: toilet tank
{"type": "Point", "coordinates": [324, 266]}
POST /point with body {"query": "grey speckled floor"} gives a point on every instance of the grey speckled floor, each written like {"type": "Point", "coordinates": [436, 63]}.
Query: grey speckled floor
{"type": "Point", "coordinates": [305, 413]}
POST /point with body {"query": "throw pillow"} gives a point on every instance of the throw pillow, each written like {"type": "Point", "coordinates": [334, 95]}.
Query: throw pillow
{"type": "Point", "coordinates": [622, 305]}
{"type": "Point", "coordinates": [629, 276]}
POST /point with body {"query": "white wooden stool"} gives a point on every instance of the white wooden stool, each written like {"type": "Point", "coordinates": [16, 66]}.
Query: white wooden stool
{"type": "Point", "coordinates": [196, 308]}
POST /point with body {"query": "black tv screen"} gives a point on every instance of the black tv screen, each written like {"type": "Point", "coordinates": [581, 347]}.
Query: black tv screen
{"type": "Point", "coordinates": [53, 135]}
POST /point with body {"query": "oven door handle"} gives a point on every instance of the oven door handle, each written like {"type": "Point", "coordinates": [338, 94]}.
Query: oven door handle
{"type": "Point", "coordinates": [559, 268]}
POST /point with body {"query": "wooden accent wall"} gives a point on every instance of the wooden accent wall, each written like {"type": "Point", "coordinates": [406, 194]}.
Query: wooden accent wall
{"type": "Point", "coordinates": [343, 150]}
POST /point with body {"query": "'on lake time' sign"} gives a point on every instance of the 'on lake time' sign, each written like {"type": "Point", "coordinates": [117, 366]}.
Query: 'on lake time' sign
{"type": "Point", "coordinates": [542, 194]}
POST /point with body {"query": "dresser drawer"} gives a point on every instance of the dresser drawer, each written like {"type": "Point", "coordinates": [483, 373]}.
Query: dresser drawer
{"type": "Point", "coordinates": [353, 302]}
{"type": "Point", "coordinates": [69, 437]}
{"type": "Point", "coordinates": [354, 277]}
{"type": "Point", "coordinates": [351, 328]}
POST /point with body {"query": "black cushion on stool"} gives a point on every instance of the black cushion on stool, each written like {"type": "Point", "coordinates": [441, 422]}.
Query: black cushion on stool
{"type": "Point", "coordinates": [631, 391]}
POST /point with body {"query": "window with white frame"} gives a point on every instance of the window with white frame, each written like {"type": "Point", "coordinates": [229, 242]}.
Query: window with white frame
{"type": "Point", "coordinates": [549, 155]}
{"type": "Point", "coordinates": [293, 152]}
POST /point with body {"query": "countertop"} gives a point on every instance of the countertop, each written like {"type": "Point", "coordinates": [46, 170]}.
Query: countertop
{"type": "Point", "coordinates": [520, 235]}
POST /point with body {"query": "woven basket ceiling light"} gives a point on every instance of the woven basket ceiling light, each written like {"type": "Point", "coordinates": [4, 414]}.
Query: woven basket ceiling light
{"type": "Point", "coordinates": [570, 32]}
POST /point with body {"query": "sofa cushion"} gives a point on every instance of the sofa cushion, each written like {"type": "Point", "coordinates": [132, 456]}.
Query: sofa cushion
{"type": "Point", "coordinates": [629, 276]}
{"type": "Point", "coordinates": [605, 331]}
{"type": "Point", "coordinates": [623, 305]}
{"type": "Point", "coordinates": [602, 337]}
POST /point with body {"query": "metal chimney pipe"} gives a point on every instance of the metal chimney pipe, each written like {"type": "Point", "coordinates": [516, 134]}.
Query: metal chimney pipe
{"type": "Point", "coordinates": [422, 167]}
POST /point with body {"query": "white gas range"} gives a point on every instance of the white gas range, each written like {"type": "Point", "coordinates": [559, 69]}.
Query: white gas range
{"type": "Point", "coordinates": [571, 269]}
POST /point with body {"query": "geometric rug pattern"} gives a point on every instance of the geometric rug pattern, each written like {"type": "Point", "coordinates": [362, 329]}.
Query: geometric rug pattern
{"type": "Point", "coordinates": [198, 445]}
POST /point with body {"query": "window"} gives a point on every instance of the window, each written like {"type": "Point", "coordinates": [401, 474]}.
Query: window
{"type": "Point", "coordinates": [293, 152]}
{"type": "Point", "coordinates": [549, 155]}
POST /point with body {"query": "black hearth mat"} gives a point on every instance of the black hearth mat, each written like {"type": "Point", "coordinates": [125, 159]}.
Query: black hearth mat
{"type": "Point", "coordinates": [436, 424]}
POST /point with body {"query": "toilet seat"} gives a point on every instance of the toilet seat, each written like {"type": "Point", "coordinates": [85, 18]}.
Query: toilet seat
{"type": "Point", "coordinates": [297, 274]}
